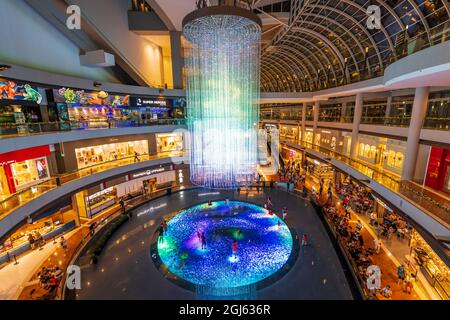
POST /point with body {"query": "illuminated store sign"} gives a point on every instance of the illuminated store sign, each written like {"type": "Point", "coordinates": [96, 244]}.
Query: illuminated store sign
{"type": "Point", "coordinates": [83, 98]}
{"type": "Point", "coordinates": [145, 102]}
{"type": "Point", "coordinates": [147, 173]}
{"type": "Point", "coordinates": [151, 102]}
{"type": "Point", "coordinates": [10, 90]}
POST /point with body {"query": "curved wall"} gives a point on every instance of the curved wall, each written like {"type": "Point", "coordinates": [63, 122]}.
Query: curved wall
{"type": "Point", "coordinates": [47, 199]}
{"type": "Point", "coordinates": [31, 41]}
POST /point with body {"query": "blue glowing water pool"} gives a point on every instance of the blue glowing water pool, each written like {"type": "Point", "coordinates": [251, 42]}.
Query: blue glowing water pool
{"type": "Point", "coordinates": [264, 244]}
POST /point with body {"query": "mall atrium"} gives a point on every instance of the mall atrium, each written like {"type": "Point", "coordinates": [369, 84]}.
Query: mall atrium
{"type": "Point", "coordinates": [224, 150]}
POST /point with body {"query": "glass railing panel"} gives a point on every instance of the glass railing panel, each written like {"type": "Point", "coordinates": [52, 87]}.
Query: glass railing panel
{"type": "Point", "coordinates": [437, 123]}
{"type": "Point", "coordinates": [13, 129]}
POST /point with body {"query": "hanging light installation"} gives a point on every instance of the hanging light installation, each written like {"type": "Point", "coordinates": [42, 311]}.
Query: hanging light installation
{"type": "Point", "coordinates": [222, 70]}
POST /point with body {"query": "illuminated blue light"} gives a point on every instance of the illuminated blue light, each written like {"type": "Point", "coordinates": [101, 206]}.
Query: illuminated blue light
{"type": "Point", "coordinates": [222, 68]}
{"type": "Point", "coordinates": [263, 246]}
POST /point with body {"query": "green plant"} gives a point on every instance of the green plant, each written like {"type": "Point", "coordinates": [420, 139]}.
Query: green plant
{"type": "Point", "coordinates": [100, 243]}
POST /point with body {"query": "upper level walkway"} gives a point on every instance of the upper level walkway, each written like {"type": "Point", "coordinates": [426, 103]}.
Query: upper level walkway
{"type": "Point", "coordinates": [17, 207]}
{"type": "Point", "coordinates": [429, 209]}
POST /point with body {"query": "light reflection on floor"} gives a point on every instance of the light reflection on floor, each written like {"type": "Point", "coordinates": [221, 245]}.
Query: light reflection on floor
{"type": "Point", "coordinates": [264, 244]}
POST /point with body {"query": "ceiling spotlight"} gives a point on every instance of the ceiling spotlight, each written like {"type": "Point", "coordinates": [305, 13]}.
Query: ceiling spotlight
{"type": "Point", "coordinates": [97, 84]}
{"type": "Point", "coordinates": [4, 67]}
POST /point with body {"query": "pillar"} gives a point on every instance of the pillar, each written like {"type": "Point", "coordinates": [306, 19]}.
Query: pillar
{"type": "Point", "coordinates": [75, 209]}
{"type": "Point", "coordinates": [303, 122]}
{"type": "Point", "coordinates": [356, 122]}
{"type": "Point", "coordinates": [388, 107]}
{"type": "Point", "coordinates": [177, 59]}
{"type": "Point", "coordinates": [343, 111]}
{"type": "Point", "coordinates": [418, 114]}
{"type": "Point", "coordinates": [316, 119]}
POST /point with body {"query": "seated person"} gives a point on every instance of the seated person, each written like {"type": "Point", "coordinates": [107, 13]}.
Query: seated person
{"type": "Point", "coordinates": [386, 292]}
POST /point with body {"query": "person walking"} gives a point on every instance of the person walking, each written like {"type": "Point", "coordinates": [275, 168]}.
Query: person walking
{"type": "Point", "coordinates": [284, 213]}
{"type": "Point", "coordinates": [122, 205]}
{"type": "Point", "coordinates": [164, 225]}
{"type": "Point", "coordinates": [136, 157]}
{"type": "Point", "coordinates": [304, 240]}
{"type": "Point", "coordinates": [63, 243]}
{"type": "Point", "coordinates": [203, 240]}
{"type": "Point", "coordinates": [161, 234]}
{"type": "Point", "coordinates": [234, 247]}
{"type": "Point", "coordinates": [376, 245]}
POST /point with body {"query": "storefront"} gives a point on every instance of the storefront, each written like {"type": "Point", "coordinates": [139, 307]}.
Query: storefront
{"type": "Point", "coordinates": [154, 108]}
{"type": "Point", "coordinates": [89, 156]}
{"type": "Point", "coordinates": [331, 140]}
{"type": "Point", "coordinates": [291, 133]}
{"type": "Point", "coordinates": [319, 170]}
{"type": "Point", "coordinates": [309, 135]}
{"type": "Point", "coordinates": [438, 170]}
{"type": "Point", "coordinates": [99, 198]}
{"type": "Point", "coordinates": [422, 257]}
{"type": "Point", "coordinates": [47, 226]}
{"type": "Point", "coordinates": [387, 153]}
{"type": "Point", "coordinates": [84, 110]}
{"type": "Point", "coordinates": [23, 168]}
{"type": "Point", "coordinates": [169, 142]}
{"type": "Point", "coordinates": [19, 104]}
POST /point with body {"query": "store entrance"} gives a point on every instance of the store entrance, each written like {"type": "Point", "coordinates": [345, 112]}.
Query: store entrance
{"type": "Point", "coordinates": [150, 186]}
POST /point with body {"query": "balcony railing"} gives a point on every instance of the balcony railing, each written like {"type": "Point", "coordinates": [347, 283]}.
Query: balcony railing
{"type": "Point", "coordinates": [387, 121]}
{"type": "Point", "coordinates": [19, 199]}
{"type": "Point", "coordinates": [435, 205]}
{"type": "Point", "coordinates": [25, 129]}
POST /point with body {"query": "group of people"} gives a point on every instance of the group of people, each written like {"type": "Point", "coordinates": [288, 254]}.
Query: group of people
{"type": "Point", "coordinates": [50, 278]}
{"type": "Point", "coordinates": [36, 240]}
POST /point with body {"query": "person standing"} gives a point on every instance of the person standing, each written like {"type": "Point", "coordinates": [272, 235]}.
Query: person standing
{"type": "Point", "coordinates": [122, 205]}
{"type": "Point", "coordinates": [161, 234]}
{"type": "Point", "coordinates": [376, 245]}
{"type": "Point", "coordinates": [234, 247]}
{"type": "Point", "coordinates": [304, 240]}
{"type": "Point", "coordinates": [136, 157]}
{"type": "Point", "coordinates": [63, 243]}
{"type": "Point", "coordinates": [203, 240]}
{"type": "Point", "coordinates": [164, 225]}
{"type": "Point", "coordinates": [284, 213]}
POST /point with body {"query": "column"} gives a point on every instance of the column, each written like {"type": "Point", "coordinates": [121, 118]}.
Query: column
{"type": "Point", "coordinates": [75, 208]}
{"type": "Point", "coordinates": [388, 107]}
{"type": "Point", "coordinates": [418, 113]}
{"type": "Point", "coordinates": [343, 111]}
{"type": "Point", "coordinates": [356, 122]}
{"type": "Point", "coordinates": [303, 122]}
{"type": "Point", "coordinates": [177, 59]}
{"type": "Point", "coordinates": [316, 119]}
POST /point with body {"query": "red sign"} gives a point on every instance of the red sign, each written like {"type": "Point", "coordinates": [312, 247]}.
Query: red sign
{"type": "Point", "coordinates": [24, 154]}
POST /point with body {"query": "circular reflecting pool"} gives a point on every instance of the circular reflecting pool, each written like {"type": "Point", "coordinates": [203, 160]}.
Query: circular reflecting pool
{"type": "Point", "coordinates": [262, 245]}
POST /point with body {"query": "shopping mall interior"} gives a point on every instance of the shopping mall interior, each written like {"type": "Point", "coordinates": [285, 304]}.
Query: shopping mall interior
{"type": "Point", "coordinates": [224, 150]}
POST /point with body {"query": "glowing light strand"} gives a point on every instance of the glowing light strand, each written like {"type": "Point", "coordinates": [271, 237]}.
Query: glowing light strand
{"type": "Point", "coordinates": [222, 65]}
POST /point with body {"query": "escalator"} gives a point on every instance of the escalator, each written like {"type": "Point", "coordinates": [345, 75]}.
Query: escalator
{"type": "Point", "coordinates": [280, 160]}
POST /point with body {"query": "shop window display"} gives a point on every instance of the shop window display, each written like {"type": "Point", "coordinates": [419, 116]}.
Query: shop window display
{"type": "Point", "coordinates": [29, 171]}
{"type": "Point", "coordinates": [394, 159]}
{"type": "Point", "coordinates": [90, 156]}
{"type": "Point", "coordinates": [169, 142]}
{"type": "Point", "coordinates": [435, 270]}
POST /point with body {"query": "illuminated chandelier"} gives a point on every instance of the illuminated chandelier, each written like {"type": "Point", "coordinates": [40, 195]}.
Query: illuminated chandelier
{"type": "Point", "coordinates": [222, 69]}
